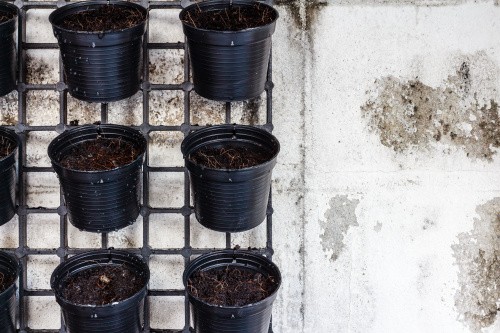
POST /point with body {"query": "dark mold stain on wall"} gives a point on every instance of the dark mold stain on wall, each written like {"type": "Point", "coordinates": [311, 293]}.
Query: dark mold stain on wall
{"type": "Point", "coordinates": [311, 9]}
{"type": "Point", "coordinates": [250, 112]}
{"type": "Point", "coordinates": [293, 7]}
{"type": "Point", "coordinates": [477, 255]}
{"type": "Point", "coordinates": [38, 71]}
{"type": "Point", "coordinates": [338, 219]}
{"type": "Point", "coordinates": [462, 112]}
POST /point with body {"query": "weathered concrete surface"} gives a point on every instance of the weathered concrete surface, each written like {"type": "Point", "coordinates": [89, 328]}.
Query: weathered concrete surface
{"type": "Point", "coordinates": [386, 191]}
{"type": "Point", "coordinates": [411, 212]}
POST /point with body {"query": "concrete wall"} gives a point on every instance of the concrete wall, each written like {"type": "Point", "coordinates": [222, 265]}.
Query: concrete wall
{"type": "Point", "coordinates": [386, 194]}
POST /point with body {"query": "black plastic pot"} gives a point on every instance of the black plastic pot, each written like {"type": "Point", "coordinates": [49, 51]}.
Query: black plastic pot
{"type": "Point", "coordinates": [252, 318]}
{"type": "Point", "coordinates": [231, 200]}
{"type": "Point", "coordinates": [126, 316]}
{"type": "Point", "coordinates": [8, 63]}
{"type": "Point", "coordinates": [228, 65]}
{"type": "Point", "coordinates": [8, 177]}
{"type": "Point", "coordinates": [100, 66]}
{"type": "Point", "coordinates": [99, 201]}
{"type": "Point", "coordinates": [9, 267]}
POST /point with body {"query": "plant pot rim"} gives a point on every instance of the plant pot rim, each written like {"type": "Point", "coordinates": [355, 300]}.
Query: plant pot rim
{"type": "Point", "coordinates": [86, 127]}
{"type": "Point", "coordinates": [232, 127]}
{"type": "Point", "coordinates": [10, 134]}
{"type": "Point", "coordinates": [60, 297]}
{"type": "Point", "coordinates": [60, 13]}
{"type": "Point", "coordinates": [220, 4]}
{"type": "Point", "coordinates": [235, 254]}
{"type": "Point", "coordinates": [7, 7]}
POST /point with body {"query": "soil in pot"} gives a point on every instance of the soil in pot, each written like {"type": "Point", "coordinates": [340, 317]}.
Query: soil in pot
{"type": "Point", "coordinates": [231, 286]}
{"type": "Point", "coordinates": [6, 147]}
{"type": "Point", "coordinates": [102, 285]}
{"type": "Point", "coordinates": [100, 154]}
{"type": "Point", "coordinates": [104, 18]}
{"type": "Point", "coordinates": [233, 156]}
{"type": "Point", "coordinates": [4, 16]}
{"type": "Point", "coordinates": [6, 281]}
{"type": "Point", "coordinates": [232, 18]}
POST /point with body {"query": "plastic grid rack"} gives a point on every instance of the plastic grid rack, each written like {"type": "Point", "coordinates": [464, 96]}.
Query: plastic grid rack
{"type": "Point", "coordinates": [186, 211]}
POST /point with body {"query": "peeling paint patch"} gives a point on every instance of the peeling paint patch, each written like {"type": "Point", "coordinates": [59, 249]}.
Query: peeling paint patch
{"type": "Point", "coordinates": [293, 7]}
{"type": "Point", "coordinates": [166, 108]}
{"type": "Point", "coordinates": [84, 112]}
{"type": "Point", "coordinates": [42, 107]}
{"type": "Point", "coordinates": [477, 255]}
{"type": "Point", "coordinates": [8, 108]}
{"type": "Point", "coordinates": [166, 66]}
{"type": "Point", "coordinates": [38, 70]}
{"type": "Point", "coordinates": [377, 227]}
{"type": "Point", "coordinates": [250, 112]}
{"type": "Point", "coordinates": [165, 144]}
{"type": "Point", "coordinates": [338, 219]}
{"type": "Point", "coordinates": [462, 112]}
{"type": "Point", "coordinates": [36, 148]}
{"type": "Point", "coordinates": [206, 112]}
{"type": "Point", "coordinates": [126, 112]}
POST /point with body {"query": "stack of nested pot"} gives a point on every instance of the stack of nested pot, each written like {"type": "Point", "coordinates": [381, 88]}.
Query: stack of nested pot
{"type": "Point", "coordinates": [9, 273]}
{"type": "Point", "coordinates": [8, 23]}
{"type": "Point", "coordinates": [101, 45]}
{"type": "Point", "coordinates": [230, 166]}
{"type": "Point", "coordinates": [9, 144]}
{"type": "Point", "coordinates": [102, 291]}
{"type": "Point", "coordinates": [99, 166]}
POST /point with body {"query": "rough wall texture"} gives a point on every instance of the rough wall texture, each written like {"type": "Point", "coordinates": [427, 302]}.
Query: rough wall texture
{"type": "Point", "coordinates": [401, 166]}
{"type": "Point", "coordinates": [386, 191]}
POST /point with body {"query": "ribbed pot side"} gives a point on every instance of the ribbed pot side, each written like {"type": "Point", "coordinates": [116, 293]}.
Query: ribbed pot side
{"type": "Point", "coordinates": [228, 65]}
{"type": "Point", "coordinates": [100, 201]}
{"type": "Point", "coordinates": [251, 318]}
{"type": "Point", "coordinates": [8, 177]}
{"type": "Point", "coordinates": [100, 66]}
{"type": "Point", "coordinates": [231, 200]}
{"type": "Point", "coordinates": [126, 316]}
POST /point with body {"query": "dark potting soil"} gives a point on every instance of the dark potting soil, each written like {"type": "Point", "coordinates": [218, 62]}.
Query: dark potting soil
{"type": "Point", "coordinates": [231, 286]}
{"type": "Point", "coordinates": [100, 154]}
{"type": "Point", "coordinates": [5, 281]}
{"type": "Point", "coordinates": [6, 147]}
{"type": "Point", "coordinates": [232, 18]}
{"type": "Point", "coordinates": [101, 285]}
{"type": "Point", "coordinates": [104, 18]}
{"type": "Point", "coordinates": [5, 16]}
{"type": "Point", "coordinates": [229, 157]}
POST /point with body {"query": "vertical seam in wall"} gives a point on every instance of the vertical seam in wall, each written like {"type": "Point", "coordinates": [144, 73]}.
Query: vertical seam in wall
{"type": "Point", "coordinates": [306, 67]}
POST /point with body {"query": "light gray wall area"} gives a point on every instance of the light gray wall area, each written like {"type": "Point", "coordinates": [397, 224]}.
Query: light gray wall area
{"type": "Point", "coordinates": [401, 191]}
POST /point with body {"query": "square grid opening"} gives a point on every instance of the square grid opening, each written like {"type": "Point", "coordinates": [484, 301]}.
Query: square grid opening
{"type": "Point", "coordinates": [165, 110]}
